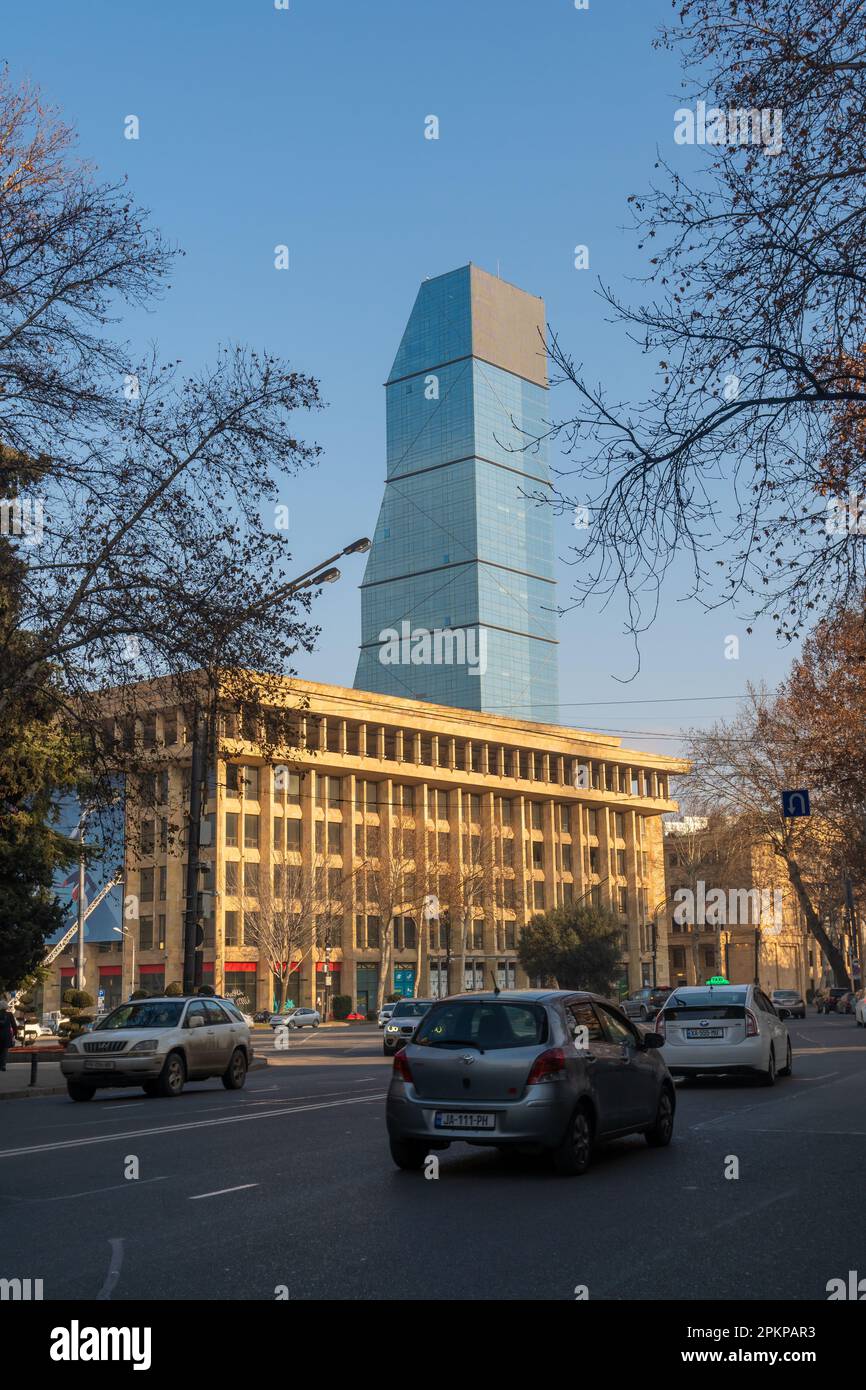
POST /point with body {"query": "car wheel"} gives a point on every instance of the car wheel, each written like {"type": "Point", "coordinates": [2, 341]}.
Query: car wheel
{"type": "Point", "coordinates": [315, 1025]}
{"type": "Point", "coordinates": [408, 1154]}
{"type": "Point", "coordinates": [150, 1088]}
{"type": "Point", "coordinates": [172, 1077]}
{"type": "Point", "coordinates": [78, 1091]}
{"type": "Point", "coordinates": [574, 1155]}
{"type": "Point", "coordinates": [789, 1061]}
{"type": "Point", "coordinates": [663, 1126]}
{"type": "Point", "coordinates": [768, 1077]}
{"type": "Point", "coordinates": [387, 1051]}
{"type": "Point", "coordinates": [235, 1073]}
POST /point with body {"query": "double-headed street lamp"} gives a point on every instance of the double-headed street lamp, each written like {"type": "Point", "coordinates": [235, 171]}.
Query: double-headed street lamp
{"type": "Point", "coordinates": [314, 578]}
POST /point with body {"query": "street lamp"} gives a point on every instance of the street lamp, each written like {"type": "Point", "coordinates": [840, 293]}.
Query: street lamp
{"type": "Point", "coordinates": [127, 931]}
{"type": "Point", "coordinates": [321, 573]}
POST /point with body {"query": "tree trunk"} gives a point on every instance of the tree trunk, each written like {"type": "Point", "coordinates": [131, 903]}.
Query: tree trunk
{"type": "Point", "coordinates": [815, 925]}
{"type": "Point", "coordinates": [284, 989]}
{"type": "Point", "coordinates": [385, 970]}
{"type": "Point", "coordinates": [423, 927]}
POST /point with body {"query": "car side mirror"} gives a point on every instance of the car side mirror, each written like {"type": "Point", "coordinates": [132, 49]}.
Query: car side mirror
{"type": "Point", "coordinates": [196, 1022]}
{"type": "Point", "coordinates": [651, 1040]}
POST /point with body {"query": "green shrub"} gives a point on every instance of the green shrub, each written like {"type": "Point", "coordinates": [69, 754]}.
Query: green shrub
{"type": "Point", "coordinates": [341, 1005]}
{"type": "Point", "coordinates": [77, 999]}
{"type": "Point", "coordinates": [174, 989]}
{"type": "Point", "coordinates": [139, 994]}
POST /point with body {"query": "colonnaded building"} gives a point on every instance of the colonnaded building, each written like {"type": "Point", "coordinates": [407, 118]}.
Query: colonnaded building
{"type": "Point", "coordinates": [381, 805]}
{"type": "Point", "coordinates": [411, 826]}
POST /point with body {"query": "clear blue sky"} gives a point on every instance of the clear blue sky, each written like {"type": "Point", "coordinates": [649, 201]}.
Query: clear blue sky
{"type": "Point", "coordinates": [306, 127]}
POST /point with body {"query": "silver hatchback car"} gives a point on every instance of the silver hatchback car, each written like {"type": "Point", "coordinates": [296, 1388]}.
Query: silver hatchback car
{"type": "Point", "coordinates": [159, 1044]}
{"type": "Point", "coordinates": [537, 1070]}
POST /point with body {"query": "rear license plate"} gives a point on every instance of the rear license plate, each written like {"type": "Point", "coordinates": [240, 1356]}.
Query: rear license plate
{"type": "Point", "coordinates": [705, 1032]}
{"type": "Point", "coordinates": [97, 1064]}
{"type": "Point", "coordinates": [456, 1119]}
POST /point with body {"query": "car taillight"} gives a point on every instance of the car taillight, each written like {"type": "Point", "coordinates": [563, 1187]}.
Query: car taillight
{"type": "Point", "coordinates": [401, 1066]}
{"type": "Point", "coordinates": [751, 1024]}
{"type": "Point", "coordinates": [550, 1066]}
{"type": "Point", "coordinates": [659, 1026]}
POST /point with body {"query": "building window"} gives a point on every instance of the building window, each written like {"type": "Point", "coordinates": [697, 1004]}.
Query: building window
{"type": "Point", "coordinates": [232, 877]}
{"type": "Point", "coordinates": [592, 817]}
{"type": "Point", "coordinates": [537, 854]}
{"type": "Point", "coordinates": [145, 933]}
{"type": "Point", "coordinates": [335, 837]}
{"type": "Point", "coordinates": [536, 815]}
{"type": "Point", "coordinates": [293, 836]}
{"type": "Point", "coordinates": [163, 875]}
{"type": "Point", "coordinates": [249, 779]}
{"type": "Point", "coordinates": [251, 831]}
{"type": "Point", "coordinates": [231, 925]}
{"type": "Point", "coordinates": [232, 829]}
{"type": "Point", "coordinates": [538, 894]}
{"type": "Point", "coordinates": [145, 890]}
{"type": "Point", "coordinates": [251, 880]}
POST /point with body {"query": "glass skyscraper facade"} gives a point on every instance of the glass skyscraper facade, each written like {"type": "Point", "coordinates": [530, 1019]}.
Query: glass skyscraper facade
{"type": "Point", "coordinates": [458, 595]}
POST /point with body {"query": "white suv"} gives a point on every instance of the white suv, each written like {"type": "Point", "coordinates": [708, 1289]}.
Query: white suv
{"type": "Point", "coordinates": [724, 1030]}
{"type": "Point", "coordinates": [159, 1044]}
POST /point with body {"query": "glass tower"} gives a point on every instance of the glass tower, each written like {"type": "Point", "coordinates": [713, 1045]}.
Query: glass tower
{"type": "Point", "coordinates": [458, 593]}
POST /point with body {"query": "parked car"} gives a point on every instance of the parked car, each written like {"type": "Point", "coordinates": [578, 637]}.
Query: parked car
{"type": "Point", "coordinates": [297, 1018]}
{"type": "Point", "coordinates": [717, 1030]}
{"type": "Point", "coordinates": [827, 999]}
{"type": "Point", "coordinates": [845, 1003]}
{"type": "Point", "coordinates": [645, 1003]}
{"type": "Point", "coordinates": [789, 999]}
{"type": "Point", "coordinates": [160, 1044]}
{"type": "Point", "coordinates": [529, 1070]}
{"type": "Point", "coordinates": [385, 1013]}
{"type": "Point", "coordinates": [860, 1008]}
{"type": "Point", "coordinates": [403, 1022]}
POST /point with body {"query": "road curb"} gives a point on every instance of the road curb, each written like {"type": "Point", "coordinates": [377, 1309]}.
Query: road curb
{"type": "Point", "coordinates": [29, 1092]}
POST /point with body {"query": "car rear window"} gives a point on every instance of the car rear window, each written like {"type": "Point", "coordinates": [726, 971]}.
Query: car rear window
{"type": "Point", "coordinates": [412, 1008]}
{"type": "Point", "coordinates": [484, 1023]}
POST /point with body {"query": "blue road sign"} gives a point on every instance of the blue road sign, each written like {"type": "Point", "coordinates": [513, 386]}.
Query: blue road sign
{"type": "Point", "coordinates": [796, 803]}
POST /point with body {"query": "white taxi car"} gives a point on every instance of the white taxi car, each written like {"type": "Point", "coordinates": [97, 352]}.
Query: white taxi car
{"type": "Point", "coordinates": [724, 1030]}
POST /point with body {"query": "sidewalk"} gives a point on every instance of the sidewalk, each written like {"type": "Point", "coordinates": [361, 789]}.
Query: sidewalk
{"type": "Point", "coordinates": [15, 1080]}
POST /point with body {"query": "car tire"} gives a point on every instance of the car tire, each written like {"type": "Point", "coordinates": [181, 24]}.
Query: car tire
{"type": "Point", "coordinates": [172, 1077]}
{"type": "Point", "coordinates": [78, 1091]}
{"type": "Point", "coordinates": [315, 1025]}
{"type": "Point", "coordinates": [663, 1126]}
{"type": "Point", "coordinates": [235, 1073]}
{"type": "Point", "coordinates": [789, 1062]}
{"type": "Point", "coordinates": [387, 1050]}
{"type": "Point", "coordinates": [573, 1155]}
{"type": "Point", "coordinates": [150, 1088]}
{"type": "Point", "coordinates": [408, 1154]}
{"type": "Point", "coordinates": [768, 1077]}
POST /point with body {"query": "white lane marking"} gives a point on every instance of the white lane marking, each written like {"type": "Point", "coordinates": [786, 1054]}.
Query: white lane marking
{"type": "Point", "coordinates": [92, 1192]}
{"type": "Point", "coordinates": [750, 1211]}
{"type": "Point", "coordinates": [191, 1124]}
{"type": "Point", "coordinates": [843, 1133]}
{"type": "Point", "coordinates": [122, 1104]}
{"type": "Point", "coordinates": [822, 1076]}
{"type": "Point", "coordinates": [222, 1191]}
{"type": "Point", "coordinates": [113, 1270]}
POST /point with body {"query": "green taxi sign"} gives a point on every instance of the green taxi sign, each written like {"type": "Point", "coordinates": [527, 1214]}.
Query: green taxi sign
{"type": "Point", "coordinates": [717, 980]}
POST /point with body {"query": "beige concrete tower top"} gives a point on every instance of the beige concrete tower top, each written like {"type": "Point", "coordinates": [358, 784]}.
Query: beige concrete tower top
{"type": "Point", "coordinates": [508, 326]}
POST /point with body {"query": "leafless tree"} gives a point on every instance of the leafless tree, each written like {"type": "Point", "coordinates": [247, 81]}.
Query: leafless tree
{"type": "Point", "coordinates": [754, 318]}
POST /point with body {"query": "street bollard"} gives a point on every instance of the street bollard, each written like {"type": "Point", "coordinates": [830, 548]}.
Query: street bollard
{"type": "Point", "coordinates": [34, 1063]}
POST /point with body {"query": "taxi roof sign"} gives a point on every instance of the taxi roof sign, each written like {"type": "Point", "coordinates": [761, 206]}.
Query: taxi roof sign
{"type": "Point", "coordinates": [717, 980]}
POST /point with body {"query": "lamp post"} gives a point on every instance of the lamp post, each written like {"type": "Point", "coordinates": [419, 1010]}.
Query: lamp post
{"type": "Point", "coordinates": [125, 931]}
{"type": "Point", "coordinates": [82, 915]}
{"type": "Point", "coordinates": [205, 726]}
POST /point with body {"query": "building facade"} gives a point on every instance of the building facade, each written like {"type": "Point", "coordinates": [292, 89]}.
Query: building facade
{"type": "Point", "coordinates": [462, 553]}
{"type": "Point", "coordinates": [735, 913]}
{"type": "Point", "coordinates": [458, 827]}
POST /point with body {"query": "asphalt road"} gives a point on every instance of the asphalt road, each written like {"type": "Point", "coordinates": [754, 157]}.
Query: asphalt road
{"type": "Point", "coordinates": [288, 1184]}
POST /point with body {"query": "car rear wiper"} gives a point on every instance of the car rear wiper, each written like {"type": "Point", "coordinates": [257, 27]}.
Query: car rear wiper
{"type": "Point", "coordinates": [454, 1042]}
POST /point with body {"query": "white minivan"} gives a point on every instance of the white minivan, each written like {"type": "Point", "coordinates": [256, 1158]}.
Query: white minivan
{"type": "Point", "coordinates": [724, 1030]}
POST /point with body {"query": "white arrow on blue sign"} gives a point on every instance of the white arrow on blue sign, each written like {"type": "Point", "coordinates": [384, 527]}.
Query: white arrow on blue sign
{"type": "Point", "coordinates": [796, 803]}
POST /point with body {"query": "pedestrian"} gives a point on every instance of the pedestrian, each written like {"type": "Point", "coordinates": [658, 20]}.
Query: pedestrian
{"type": "Point", "coordinates": [8, 1032]}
